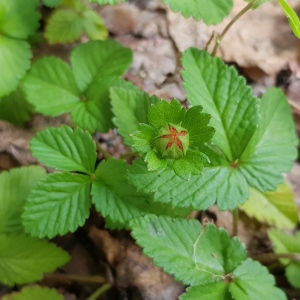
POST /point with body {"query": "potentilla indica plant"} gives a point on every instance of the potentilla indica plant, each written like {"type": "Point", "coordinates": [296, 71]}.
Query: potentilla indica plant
{"type": "Point", "coordinates": [227, 146]}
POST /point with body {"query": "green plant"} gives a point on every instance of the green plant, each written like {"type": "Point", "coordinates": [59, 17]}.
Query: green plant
{"type": "Point", "coordinates": [227, 147]}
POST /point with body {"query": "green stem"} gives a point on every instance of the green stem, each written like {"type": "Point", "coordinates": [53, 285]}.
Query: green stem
{"type": "Point", "coordinates": [235, 220]}
{"type": "Point", "coordinates": [105, 154]}
{"type": "Point", "coordinates": [76, 278]}
{"type": "Point", "coordinates": [221, 36]}
{"type": "Point", "coordinates": [270, 257]}
{"type": "Point", "coordinates": [100, 291]}
{"type": "Point", "coordinates": [129, 155]}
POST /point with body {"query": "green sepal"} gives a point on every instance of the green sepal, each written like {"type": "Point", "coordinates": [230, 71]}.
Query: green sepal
{"type": "Point", "coordinates": [142, 138]}
{"type": "Point", "coordinates": [155, 162]}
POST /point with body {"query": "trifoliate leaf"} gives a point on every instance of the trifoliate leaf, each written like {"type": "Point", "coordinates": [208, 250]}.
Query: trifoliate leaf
{"type": "Point", "coordinates": [277, 208]}
{"type": "Point", "coordinates": [15, 188]}
{"type": "Point", "coordinates": [15, 58]}
{"type": "Point", "coordinates": [212, 12]}
{"type": "Point", "coordinates": [98, 59]}
{"type": "Point", "coordinates": [65, 149]}
{"type": "Point", "coordinates": [52, 3]}
{"type": "Point", "coordinates": [94, 111]}
{"type": "Point", "coordinates": [59, 204]}
{"type": "Point", "coordinates": [273, 147]}
{"type": "Point", "coordinates": [50, 86]}
{"type": "Point", "coordinates": [24, 259]}
{"type": "Point", "coordinates": [113, 196]}
{"type": "Point", "coordinates": [34, 293]}
{"type": "Point", "coordinates": [15, 109]}
{"type": "Point", "coordinates": [192, 254]}
{"type": "Point", "coordinates": [130, 106]}
{"type": "Point", "coordinates": [17, 20]}
{"type": "Point", "coordinates": [225, 96]}
{"type": "Point", "coordinates": [212, 291]}
{"type": "Point", "coordinates": [111, 2]}
{"type": "Point", "coordinates": [94, 26]}
{"type": "Point", "coordinates": [292, 17]}
{"type": "Point", "coordinates": [64, 26]}
{"type": "Point", "coordinates": [218, 183]}
{"type": "Point", "coordinates": [252, 281]}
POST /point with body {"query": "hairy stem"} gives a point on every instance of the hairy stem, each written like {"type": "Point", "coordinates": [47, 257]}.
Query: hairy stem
{"type": "Point", "coordinates": [100, 291]}
{"type": "Point", "coordinates": [221, 36]}
{"type": "Point", "coordinates": [235, 220]}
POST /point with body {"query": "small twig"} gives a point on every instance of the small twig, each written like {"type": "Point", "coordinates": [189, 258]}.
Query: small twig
{"type": "Point", "coordinates": [221, 36]}
{"type": "Point", "coordinates": [235, 220]}
{"type": "Point", "coordinates": [76, 278]}
{"type": "Point", "coordinates": [100, 291]}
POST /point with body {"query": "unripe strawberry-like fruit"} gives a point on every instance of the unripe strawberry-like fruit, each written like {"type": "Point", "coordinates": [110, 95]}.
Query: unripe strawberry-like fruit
{"type": "Point", "coordinates": [172, 141]}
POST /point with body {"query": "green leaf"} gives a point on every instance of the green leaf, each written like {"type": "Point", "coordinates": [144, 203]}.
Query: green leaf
{"type": "Point", "coordinates": [225, 96]}
{"type": "Point", "coordinates": [15, 109]}
{"type": "Point", "coordinates": [64, 26]}
{"type": "Point", "coordinates": [177, 246]}
{"type": "Point", "coordinates": [130, 106]}
{"type": "Point", "coordinates": [15, 188]}
{"type": "Point", "coordinates": [94, 26]}
{"type": "Point", "coordinates": [111, 2]}
{"type": "Point", "coordinates": [212, 12]}
{"type": "Point", "coordinates": [15, 58]}
{"type": "Point", "coordinates": [65, 149]}
{"type": "Point", "coordinates": [292, 17]}
{"type": "Point", "coordinates": [24, 259]}
{"type": "Point", "coordinates": [94, 112]}
{"type": "Point", "coordinates": [273, 147]}
{"type": "Point", "coordinates": [59, 204]}
{"type": "Point", "coordinates": [113, 196]}
{"type": "Point", "coordinates": [17, 20]}
{"type": "Point", "coordinates": [284, 243]}
{"type": "Point", "coordinates": [292, 273]}
{"type": "Point", "coordinates": [212, 291]}
{"type": "Point", "coordinates": [34, 293]}
{"type": "Point", "coordinates": [97, 59]}
{"type": "Point", "coordinates": [277, 208]}
{"type": "Point", "coordinates": [52, 3]}
{"type": "Point", "coordinates": [222, 184]}
{"type": "Point", "coordinates": [252, 281]}
{"type": "Point", "coordinates": [50, 86]}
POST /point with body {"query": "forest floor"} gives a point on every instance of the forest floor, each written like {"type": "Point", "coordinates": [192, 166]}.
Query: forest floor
{"type": "Point", "coordinates": [262, 48]}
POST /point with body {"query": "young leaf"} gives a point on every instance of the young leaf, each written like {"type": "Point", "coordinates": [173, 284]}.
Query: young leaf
{"type": "Point", "coordinates": [113, 196]}
{"type": "Point", "coordinates": [130, 106]}
{"type": "Point", "coordinates": [212, 12]}
{"type": "Point", "coordinates": [34, 293]}
{"type": "Point", "coordinates": [177, 246]}
{"type": "Point", "coordinates": [15, 58]}
{"type": "Point", "coordinates": [24, 259]}
{"type": "Point", "coordinates": [59, 204]}
{"type": "Point", "coordinates": [273, 147]}
{"type": "Point", "coordinates": [225, 96]}
{"type": "Point", "coordinates": [111, 2]}
{"type": "Point", "coordinates": [218, 183]}
{"type": "Point", "coordinates": [277, 208]}
{"type": "Point", "coordinates": [98, 59]}
{"type": "Point", "coordinates": [52, 3]}
{"type": "Point", "coordinates": [94, 26]}
{"type": "Point", "coordinates": [65, 149]}
{"type": "Point", "coordinates": [292, 17]}
{"type": "Point", "coordinates": [252, 281]}
{"type": "Point", "coordinates": [15, 109]}
{"type": "Point", "coordinates": [15, 188]}
{"type": "Point", "coordinates": [50, 86]}
{"type": "Point", "coordinates": [64, 26]}
{"type": "Point", "coordinates": [17, 20]}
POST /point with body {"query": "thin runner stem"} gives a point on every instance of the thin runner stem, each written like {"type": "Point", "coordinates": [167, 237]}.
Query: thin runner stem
{"type": "Point", "coordinates": [100, 291]}
{"type": "Point", "coordinates": [235, 220]}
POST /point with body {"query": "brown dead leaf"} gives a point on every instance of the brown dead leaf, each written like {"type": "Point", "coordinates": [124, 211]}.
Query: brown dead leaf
{"type": "Point", "coordinates": [133, 270]}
